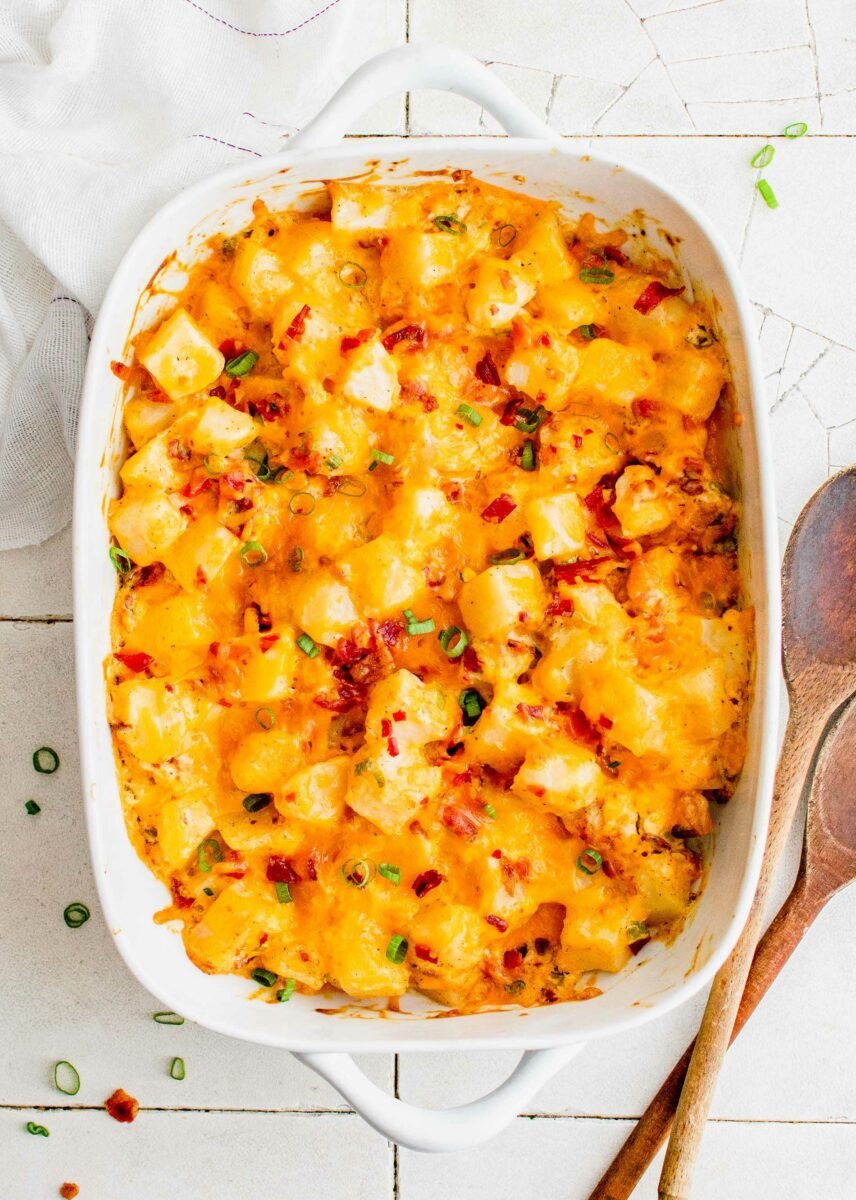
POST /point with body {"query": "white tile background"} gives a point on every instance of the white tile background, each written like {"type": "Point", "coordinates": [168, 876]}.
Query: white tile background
{"type": "Point", "coordinates": [687, 88]}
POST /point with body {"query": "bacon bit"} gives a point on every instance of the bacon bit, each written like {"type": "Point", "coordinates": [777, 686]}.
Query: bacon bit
{"type": "Point", "coordinates": [562, 606]}
{"type": "Point", "coordinates": [580, 726]}
{"type": "Point", "coordinates": [267, 641]}
{"type": "Point", "coordinates": [578, 441]}
{"type": "Point", "coordinates": [542, 945]}
{"type": "Point", "coordinates": [230, 347]}
{"type": "Point", "coordinates": [179, 899]}
{"type": "Point", "coordinates": [312, 866]}
{"type": "Point", "coordinates": [218, 391]}
{"type": "Point", "coordinates": [471, 660]}
{"type": "Point", "coordinates": [351, 343]}
{"type": "Point", "coordinates": [512, 959]}
{"type": "Point", "coordinates": [407, 333]}
{"type": "Point", "coordinates": [389, 632]}
{"type": "Point", "coordinates": [499, 508]}
{"type": "Point", "coordinates": [570, 572]}
{"type": "Point", "coordinates": [119, 369]}
{"type": "Point", "coordinates": [648, 300]}
{"type": "Point", "coordinates": [398, 715]}
{"type": "Point", "coordinates": [430, 403]}
{"type": "Point", "coordinates": [510, 411]}
{"type": "Point", "coordinates": [604, 722]}
{"type": "Point", "coordinates": [692, 487]}
{"type": "Point", "coordinates": [281, 870]}
{"type": "Point", "coordinates": [549, 995]}
{"type": "Point", "coordinates": [134, 660]}
{"type": "Point", "coordinates": [519, 334]}
{"type": "Point", "coordinates": [533, 711]}
{"type": "Point", "coordinates": [298, 325]}
{"type": "Point", "coordinates": [643, 408]}
{"type": "Point", "coordinates": [347, 652]}
{"type": "Point", "coordinates": [459, 822]}
{"type": "Point", "coordinates": [607, 869]}
{"type": "Point", "coordinates": [425, 953]}
{"type": "Point", "coordinates": [385, 727]}
{"type": "Point", "coordinates": [594, 258]}
{"type": "Point", "coordinates": [544, 340]}
{"type": "Point", "coordinates": [636, 946]}
{"type": "Point", "coordinates": [426, 882]}
{"type": "Point", "coordinates": [200, 481]}
{"type": "Point", "coordinates": [496, 922]}
{"type": "Point", "coordinates": [178, 451]}
{"type": "Point", "coordinates": [486, 371]}
{"type": "Point", "coordinates": [268, 407]}
{"type": "Point", "coordinates": [234, 480]}
{"type": "Point", "coordinates": [392, 747]}
{"type": "Point", "coordinates": [153, 573]}
{"type": "Point", "coordinates": [69, 1191]}
{"type": "Point", "coordinates": [615, 255]}
{"type": "Point", "coordinates": [496, 854]}
{"type": "Point", "coordinates": [187, 511]}
{"type": "Point", "coordinates": [601, 508]}
{"type": "Point", "coordinates": [122, 1107]}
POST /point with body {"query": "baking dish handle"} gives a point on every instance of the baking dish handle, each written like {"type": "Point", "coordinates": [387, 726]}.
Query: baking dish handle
{"type": "Point", "coordinates": [412, 68]}
{"type": "Point", "coordinates": [434, 1130]}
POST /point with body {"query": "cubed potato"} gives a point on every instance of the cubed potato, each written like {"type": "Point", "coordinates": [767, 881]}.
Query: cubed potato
{"type": "Point", "coordinates": [184, 822]}
{"type": "Point", "coordinates": [546, 371]}
{"type": "Point", "coordinates": [180, 356]}
{"type": "Point", "coordinates": [429, 712]}
{"type": "Point", "coordinates": [256, 671]}
{"type": "Point", "coordinates": [691, 382]}
{"type": "Point", "coordinates": [505, 731]}
{"type": "Point", "coordinates": [176, 632]}
{"type": "Point", "coordinates": [640, 502]}
{"type": "Point", "coordinates": [324, 608]}
{"type": "Point", "coordinates": [364, 208]}
{"type": "Point", "coordinates": [458, 936]}
{"type": "Point", "coordinates": [221, 429]}
{"type": "Point", "coordinates": [597, 939]}
{"type": "Point", "coordinates": [198, 557]}
{"type": "Point", "coordinates": [146, 418]}
{"type": "Point", "coordinates": [356, 957]}
{"type": "Point", "coordinates": [308, 250]}
{"type": "Point", "coordinates": [145, 526]}
{"type": "Point", "coordinates": [561, 776]}
{"type": "Point", "coordinates": [664, 879]}
{"type": "Point", "coordinates": [380, 581]}
{"type": "Point", "coordinates": [230, 929]}
{"type": "Point", "coordinates": [156, 716]}
{"type": "Point", "coordinates": [499, 291]}
{"type": "Point", "coordinates": [369, 376]}
{"type": "Point", "coordinates": [569, 304]}
{"type": "Point", "coordinates": [616, 373]}
{"type": "Point", "coordinates": [389, 791]}
{"type": "Point", "coordinates": [578, 448]}
{"type": "Point", "coordinates": [316, 793]}
{"type": "Point", "coordinates": [154, 466]}
{"type": "Point", "coordinates": [262, 832]}
{"type": "Point", "coordinates": [494, 602]}
{"type": "Point", "coordinates": [541, 251]}
{"type": "Point", "coordinates": [259, 274]}
{"type": "Point", "coordinates": [557, 524]}
{"type": "Point", "coordinates": [266, 761]}
{"type": "Point", "coordinates": [215, 310]}
{"type": "Point", "coordinates": [415, 261]}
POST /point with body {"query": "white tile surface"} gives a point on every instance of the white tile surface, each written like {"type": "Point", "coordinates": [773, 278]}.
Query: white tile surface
{"type": "Point", "coordinates": [650, 82]}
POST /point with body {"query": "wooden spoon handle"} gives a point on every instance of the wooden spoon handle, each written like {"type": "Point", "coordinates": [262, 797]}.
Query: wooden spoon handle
{"type": "Point", "coordinates": [805, 726]}
{"type": "Point", "coordinates": [774, 950]}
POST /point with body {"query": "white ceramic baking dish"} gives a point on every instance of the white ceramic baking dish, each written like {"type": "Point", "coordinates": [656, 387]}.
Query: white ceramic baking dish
{"type": "Point", "coordinates": [530, 159]}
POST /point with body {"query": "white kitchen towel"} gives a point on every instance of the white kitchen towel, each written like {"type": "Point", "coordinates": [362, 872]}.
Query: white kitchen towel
{"type": "Point", "coordinates": [107, 109]}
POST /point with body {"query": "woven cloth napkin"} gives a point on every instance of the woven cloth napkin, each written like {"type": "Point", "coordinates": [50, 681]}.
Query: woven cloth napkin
{"type": "Point", "coordinates": [107, 109]}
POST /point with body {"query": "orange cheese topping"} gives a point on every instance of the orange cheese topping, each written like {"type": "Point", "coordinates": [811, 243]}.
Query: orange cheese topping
{"type": "Point", "coordinates": [430, 648]}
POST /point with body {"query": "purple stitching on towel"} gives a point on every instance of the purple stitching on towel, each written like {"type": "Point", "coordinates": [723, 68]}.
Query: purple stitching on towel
{"type": "Point", "coordinates": [209, 137]}
{"type": "Point", "coordinates": [251, 32]}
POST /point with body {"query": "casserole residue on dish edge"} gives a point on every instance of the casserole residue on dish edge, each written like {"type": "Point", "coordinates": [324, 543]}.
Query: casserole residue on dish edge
{"type": "Point", "coordinates": [430, 646]}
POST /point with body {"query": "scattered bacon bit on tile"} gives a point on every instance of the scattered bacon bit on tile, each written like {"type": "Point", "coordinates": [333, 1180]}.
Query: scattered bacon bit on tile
{"type": "Point", "coordinates": [68, 1191]}
{"type": "Point", "coordinates": [122, 1107]}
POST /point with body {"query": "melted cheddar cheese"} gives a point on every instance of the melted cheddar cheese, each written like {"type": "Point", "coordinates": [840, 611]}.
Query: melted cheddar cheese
{"type": "Point", "coordinates": [429, 647]}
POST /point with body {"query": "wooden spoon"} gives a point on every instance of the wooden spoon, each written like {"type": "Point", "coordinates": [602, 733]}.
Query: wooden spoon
{"type": "Point", "coordinates": [819, 619]}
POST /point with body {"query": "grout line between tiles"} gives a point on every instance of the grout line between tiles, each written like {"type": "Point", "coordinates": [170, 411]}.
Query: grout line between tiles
{"type": "Point", "coordinates": [50, 619]}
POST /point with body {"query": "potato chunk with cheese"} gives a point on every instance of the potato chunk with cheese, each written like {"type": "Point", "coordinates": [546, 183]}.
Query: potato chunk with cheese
{"type": "Point", "coordinates": [146, 526]}
{"type": "Point", "coordinates": [157, 716]}
{"type": "Point", "coordinates": [259, 274]}
{"type": "Point", "coordinates": [381, 582]}
{"type": "Point", "coordinates": [640, 503]}
{"type": "Point", "coordinates": [557, 525]}
{"type": "Point", "coordinates": [502, 598]}
{"type": "Point", "coordinates": [369, 376]}
{"type": "Point", "coordinates": [317, 792]}
{"type": "Point", "coordinates": [499, 291]}
{"type": "Point", "coordinates": [324, 608]}
{"type": "Point", "coordinates": [184, 822]}
{"type": "Point", "coordinates": [265, 762]}
{"type": "Point", "coordinates": [145, 418]}
{"type": "Point", "coordinates": [614, 372]}
{"type": "Point", "coordinates": [200, 554]}
{"type": "Point", "coordinates": [181, 358]}
{"type": "Point", "coordinates": [221, 429]}
{"type": "Point", "coordinates": [561, 776]}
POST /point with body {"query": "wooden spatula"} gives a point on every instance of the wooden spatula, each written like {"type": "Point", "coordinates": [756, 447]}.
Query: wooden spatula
{"type": "Point", "coordinates": [819, 615]}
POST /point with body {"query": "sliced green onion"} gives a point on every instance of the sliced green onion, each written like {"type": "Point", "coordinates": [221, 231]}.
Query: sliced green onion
{"type": "Point", "coordinates": [528, 457]}
{"type": "Point", "coordinates": [306, 644]}
{"type": "Point", "coordinates": [167, 1018]}
{"type": "Point", "coordinates": [352, 275]}
{"type": "Point", "coordinates": [396, 951]}
{"type": "Point", "coordinates": [614, 765]}
{"type": "Point", "coordinates": [256, 801]}
{"type": "Point", "coordinates": [589, 862]}
{"type": "Point", "coordinates": [449, 223]}
{"type": "Point", "coordinates": [612, 443]}
{"type": "Point", "coordinates": [390, 872]}
{"type": "Point", "coordinates": [284, 994]}
{"type": "Point", "coordinates": [176, 1069]}
{"type": "Point", "coordinates": [214, 464]}
{"type": "Point", "coordinates": [516, 986]}
{"type": "Point", "coordinates": [38, 1130]}
{"type": "Point", "coordinates": [637, 930]}
{"type": "Point", "coordinates": [381, 456]}
{"type": "Point", "coordinates": [453, 634]}
{"type": "Point", "coordinates": [334, 461]}
{"type": "Point", "coordinates": [75, 915]}
{"type": "Point", "coordinates": [415, 626]}
{"type": "Point", "coordinates": [265, 978]}
{"type": "Point", "coordinates": [763, 157]}
{"type": "Point", "coordinates": [280, 474]}
{"type": "Point", "coordinates": [367, 767]}
{"type": "Point", "coordinates": [469, 414]}
{"type": "Point", "coordinates": [301, 504]}
{"type": "Point", "coordinates": [66, 1078]}
{"type": "Point", "coordinates": [530, 419]}
{"type": "Point", "coordinates": [513, 555]}
{"type": "Point", "coordinates": [241, 364]}
{"type": "Point", "coordinates": [45, 760]}
{"type": "Point", "coordinates": [208, 852]}
{"type": "Point", "coordinates": [587, 332]}
{"type": "Point", "coordinates": [505, 235]}
{"type": "Point", "coordinates": [295, 559]}
{"type": "Point", "coordinates": [796, 130]}
{"type": "Point", "coordinates": [253, 554]}
{"type": "Point", "coordinates": [491, 811]}
{"type": "Point", "coordinates": [208, 891]}
{"type": "Point", "coordinates": [121, 560]}
{"type": "Point", "coordinates": [283, 893]}
{"type": "Point", "coordinates": [358, 872]}
{"type": "Point", "coordinates": [472, 704]}
{"type": "Point", "coordinates": [32, 808]}
{"type": "Point", "coordinates": [767, 193]}
{"type": "Point", "coordinates": [349, 486]}
{"type": "Point", "coordinates": [265, 717]}
{"type": "Point", "coordinates": [261, 470]}
{"type": "Point", "coordinates": [600, 275]}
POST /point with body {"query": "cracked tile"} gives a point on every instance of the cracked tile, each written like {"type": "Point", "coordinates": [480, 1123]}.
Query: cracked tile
{"type": "Point", "coordinates": [766, 118]}
{"type": "Point", "coordinates": [800, 456]}
{"type": "Point", "coordinates": [774, 338]}
{"type": "Point", "coordinates": [650, 104]}
{"type": "Point", "coordinates": [803, 351]}
{"type": "Point", "coordinates": [831, 21]}
{"type": "Point", "coordinates": [650, 8]}
{"type": "Point", "coordinates": [830, 387]}
{"type": "Point", "coordinates": [579, 103]}
{"type": "Point", "coordinates": [730, 27]}
{"type": "Point", "coordinates": [842, 446]}
{"type": "Point", "coordinates": [839, 112]}
{"type": "Point", "coordinates": [443, 113]}
{"type": "Point", "coordinates": [532, 85]}
{"type": "Point", "coordinates": [773, 75]}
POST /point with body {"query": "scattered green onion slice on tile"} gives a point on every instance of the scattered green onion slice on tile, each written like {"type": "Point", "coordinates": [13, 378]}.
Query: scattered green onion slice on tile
{"type": "Point", "coordinates": [256, 801]}
{"type": "Point", "coordinates": [45, 760]}
{"type": "Point", "coordinates": [763, 157]}
{"type": "Point", "coordinates": [528, 456]}
{"type": "Point", "coordinates": [66, 1078]}
{"type": "Point", "coordinates": [767, 193]}
{"type": "Point", "coordinates": [491, 811]}
{"type": "Point", "coordinates": [505, 235]}
{"type": "Point", "coordinates": [453, 640]}
{"type": "Point", "coordinates": [396, 950]}
{"type": "Point", "coordinates": [600, 275]}
{"type": "Point", "coordinates": [265, 717]}
{"type": "Point", "coordinates": [306, 644]}
{"type": "Point", "coordinates": [513, 554]}
{"type": "Point", "coordinates": [295, 559]}
{"type": "Point", "coordinates": [469, 414]}
{"type": "Point", "coordinates": [241, 364]}
{"type": "Point", "coordinates": [367, 767]}
{"type": "Point", "coordinates": [167, 1018]}
{"type": "Point", "coordinates": [121, 560]}
{"type": "Point", "coordinates": [589, 862]}
{"type": "Point", "coordinates": [390, 872]}
{"type": "Point", "coordinates": [449, 223]}
{"type": "Point", "coordinates": [352, 275]}
{"type": "Point", "coordinates": [795, 130]}
{"type": "Point", "coordinates": [283, 893]}
{"type": "Point", "coordinates": [265, 978]}
{"type": "Point", "coordinates": [176, 1069]}
{"type": "Point", "coordinates": [358, 872]}
{"type": "Point", "coordinates": [253, 554]}
{"type": "Point", "coordinates": [32, 808]}
{"type": "Point", "coordinates": [208, 852]}
{"type": "Point", "coordinates": [301, 504]}
{"type": "Point", "coordinates": [75, 915]}
{"type": "Point", "coordinates": [38, 1130]}
{"type": "Point", "coordinates": [285, 993]}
